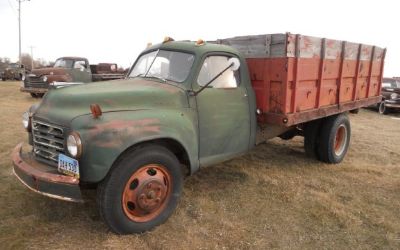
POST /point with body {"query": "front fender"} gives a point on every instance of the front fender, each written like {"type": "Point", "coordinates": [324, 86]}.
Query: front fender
{"type": "Point", "coordinates": [106, 137]}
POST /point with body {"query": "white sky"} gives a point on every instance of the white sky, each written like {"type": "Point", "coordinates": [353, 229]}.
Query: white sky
{"type": "Point", "coordinates": [117, 31]}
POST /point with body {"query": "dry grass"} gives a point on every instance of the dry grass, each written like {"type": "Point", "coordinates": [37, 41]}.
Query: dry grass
{"type": "Point", "coordinates": [273, 197]}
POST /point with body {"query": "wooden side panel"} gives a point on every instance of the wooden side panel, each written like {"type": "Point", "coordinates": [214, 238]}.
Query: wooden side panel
{"type": "Point", "coordinates": [296, 76]}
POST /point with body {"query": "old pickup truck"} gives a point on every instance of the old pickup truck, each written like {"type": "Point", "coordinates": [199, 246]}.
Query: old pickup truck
{"type": "Point", "coordinates": [187, 105]}
{"type": "Point", "coordinates": [390, 96]}
{"type": "Point", "coordinates": [14, 71]}
{"type": "Point", "coordinates": [68, 71]}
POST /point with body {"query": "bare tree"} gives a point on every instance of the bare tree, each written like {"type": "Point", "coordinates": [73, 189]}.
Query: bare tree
{"type": "Point", "coordinates": [26, 60]}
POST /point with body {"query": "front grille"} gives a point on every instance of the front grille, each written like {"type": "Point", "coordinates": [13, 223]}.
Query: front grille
{"type": "Point", "coordinates": [48, 141]}
{"type": "Point", "coordinates": [35, 82]}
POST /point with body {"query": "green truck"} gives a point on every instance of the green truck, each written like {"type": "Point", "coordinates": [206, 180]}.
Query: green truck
{"type": "Point", "coordinates": [68, 71]}
{"type": "Point", "coordinates": [184, 105]}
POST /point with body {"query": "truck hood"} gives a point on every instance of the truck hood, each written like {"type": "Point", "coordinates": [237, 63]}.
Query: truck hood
{"type": "Point", "coordinates": [60, 106]}
{"type": "Point", "coordinates": [49, 71]}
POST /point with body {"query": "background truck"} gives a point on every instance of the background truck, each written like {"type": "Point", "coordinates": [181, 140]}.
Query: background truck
{"type": "Point", "coordinates": [69, 71]}
{"type": "Point", "coordinates": [390, 96]}
{"type": "Point", "coordinates": [186, 105]}
{"type": "Point", "coordinates": [14, 71]}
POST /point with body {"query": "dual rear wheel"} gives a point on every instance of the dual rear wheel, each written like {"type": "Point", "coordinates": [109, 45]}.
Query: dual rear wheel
{"type": "Point", "coordinates": [328, 139]}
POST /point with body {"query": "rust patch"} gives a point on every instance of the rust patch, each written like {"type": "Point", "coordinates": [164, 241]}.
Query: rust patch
{"type": "Point", "coordinates": [112, 134]}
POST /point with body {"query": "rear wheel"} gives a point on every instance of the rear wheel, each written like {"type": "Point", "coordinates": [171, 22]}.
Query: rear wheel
{"type": "Point", "coordinates": [311, 138]}
{"type": "Point", "coordinates": [335, 138]}
{"type": "Point", "coordinates": [34, 95]}
{"type": "Point", "coordinates": [141, 191]}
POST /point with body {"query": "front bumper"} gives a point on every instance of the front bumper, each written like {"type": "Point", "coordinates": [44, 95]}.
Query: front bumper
{"type": "Point", "coordinates": [392, 103]}
{"type": "Point", "coordinates": [44, 179]}
{"type": "Point", "coordinates": [33, 90]}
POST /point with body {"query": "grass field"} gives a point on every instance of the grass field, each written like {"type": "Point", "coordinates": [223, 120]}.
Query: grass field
{"type": "Point", "coordinates": [273, 197]}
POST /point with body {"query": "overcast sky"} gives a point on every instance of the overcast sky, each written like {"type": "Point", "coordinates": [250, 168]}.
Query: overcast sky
{"type": "Point", "coordinates": [117, 31]}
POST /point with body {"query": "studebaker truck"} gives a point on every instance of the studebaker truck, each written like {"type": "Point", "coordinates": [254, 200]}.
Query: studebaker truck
{"type": "Point", "coordinates": [187, 105]}
{"type": "Point", "coordinates": [68, 71]}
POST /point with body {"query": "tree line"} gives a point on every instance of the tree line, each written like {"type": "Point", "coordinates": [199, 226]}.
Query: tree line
{"type": "Point", "coordinates": [27, 61]}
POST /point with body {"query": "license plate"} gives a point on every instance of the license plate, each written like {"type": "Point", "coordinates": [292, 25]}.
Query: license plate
{"type": "Point", "coordinates": [68, 165]}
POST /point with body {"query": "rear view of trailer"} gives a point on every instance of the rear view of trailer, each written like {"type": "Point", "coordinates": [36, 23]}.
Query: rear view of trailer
{"type": "Point", "coordinates": [300, 78]}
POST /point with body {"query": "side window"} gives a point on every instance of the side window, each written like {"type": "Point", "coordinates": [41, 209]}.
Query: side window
{"type": "Point", "coordinates": [79, 64]}
{"type": "Point", "coordinates": [212, 66]}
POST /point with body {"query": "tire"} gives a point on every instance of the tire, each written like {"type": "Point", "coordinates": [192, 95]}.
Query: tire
{"type": "Point", "coordinates": [334, 139]}
{"type": "Point", "coordinates": [4, 79]}
{"type": "Point", "coordinates": [288, 135]}
{"type": "Point", "coordinates": [34, 95]}
{"type": "Point", "coordinates": [40, 95]}
{"type": "Point", "coordinates": [311, 138]}
{"type": "Point", "coordinates": [141, 190]}
{"type": "Point", "coordinates": [382, 109]}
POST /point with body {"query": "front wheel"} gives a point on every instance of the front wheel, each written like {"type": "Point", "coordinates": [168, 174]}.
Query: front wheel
{"type": "Point", "coordinates": [335, 138]}
{"type": "Point", "coordinates": [382, 108]}
{"type": "Point", "coordinates": [141, 191]}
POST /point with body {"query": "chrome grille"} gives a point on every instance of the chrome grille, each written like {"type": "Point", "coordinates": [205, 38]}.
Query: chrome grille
{"type": "Point", "coordinates": [35, 82]}
{"type": "Point", "coordinates": [48, 141]}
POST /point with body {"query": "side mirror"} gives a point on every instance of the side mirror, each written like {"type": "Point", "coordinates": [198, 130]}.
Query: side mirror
{"type": "Point", "coordinates": [235, 63]}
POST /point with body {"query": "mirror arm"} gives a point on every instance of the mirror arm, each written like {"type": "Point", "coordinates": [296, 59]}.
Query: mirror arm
{"type": "Point", "coordinates": [195, 93]}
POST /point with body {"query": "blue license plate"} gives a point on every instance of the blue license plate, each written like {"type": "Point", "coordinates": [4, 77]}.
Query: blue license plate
{"type": "Point", "coordinates": [68, 165]}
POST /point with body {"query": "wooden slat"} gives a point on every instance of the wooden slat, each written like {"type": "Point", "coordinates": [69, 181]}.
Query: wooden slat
{"type": "Point", "coordinates": [340, 83]}
{"type": "Point", "coordinates": [381, 73]}
{"type": "Point", "coordinates": [357, 72]}
{"type": "Point", "coordinates": [370, 71]}
{"type": "Point", "coordinates": [321, 72]}
{"type": "Point", "coordinates": [296, 74]}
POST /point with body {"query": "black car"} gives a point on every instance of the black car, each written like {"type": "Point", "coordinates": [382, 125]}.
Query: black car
{"type": "Point", "coordinates": [390, 95]}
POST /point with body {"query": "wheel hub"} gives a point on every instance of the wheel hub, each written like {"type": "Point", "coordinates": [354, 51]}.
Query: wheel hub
{"type": "Point", "coordinates": [146, 193]}
{"type": "Point", "coordinates": [150, 195]}
{"type": "Point", "coordinates": [340, 140]}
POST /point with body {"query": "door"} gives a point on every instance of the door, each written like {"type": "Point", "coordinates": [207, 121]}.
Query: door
{"type": "Point", "coordinates": [81, 71]}
{"type": "Point", "coordinates": [223, 111]}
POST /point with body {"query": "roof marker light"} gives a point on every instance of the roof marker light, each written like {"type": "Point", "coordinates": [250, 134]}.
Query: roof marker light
{"type": "Point", "coordinates": [168, 39]}
{"type": "Point", "coordinates": [200, 42]}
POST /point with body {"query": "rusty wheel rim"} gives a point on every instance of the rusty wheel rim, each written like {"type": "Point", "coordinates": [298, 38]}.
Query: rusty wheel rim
{"type": "Point", "coordinates": [146, 193]}
{"type": "Point", "coordinates": [340, 140]}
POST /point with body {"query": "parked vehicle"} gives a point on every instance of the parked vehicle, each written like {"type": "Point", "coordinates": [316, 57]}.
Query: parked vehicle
{"type": "Point", "coordinates": [68, 71]}
{"type": "Point", "coordinates": [14, 71]}
{"type": "Point", "coordinates": [186, 105]}
{"type": "Point", "coordinates": [391, 96]}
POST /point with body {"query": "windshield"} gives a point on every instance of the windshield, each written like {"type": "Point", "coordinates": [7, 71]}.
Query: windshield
{"type": "Point", "coordinates": [167, 65]}
{"type": "Point", "coordinates": [63, 63]}
{"type": "Point", "coordinates": [391, 84]}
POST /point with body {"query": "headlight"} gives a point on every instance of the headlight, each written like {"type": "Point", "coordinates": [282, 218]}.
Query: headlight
{"type": "Point", "coordinates": [23, 77]}
{"type": "Point", "coordinates": [394, 96]}
{"type": "Point", "coordinates": [44, 78]}
{"type": "Point", "coordinates": [74, 145]}
{"type": "Point", "coordinates": [26, 121]}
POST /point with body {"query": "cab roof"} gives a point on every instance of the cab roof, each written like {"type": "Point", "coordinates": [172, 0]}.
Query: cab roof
{"type": "Point", "coordinates": [191, 46]}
